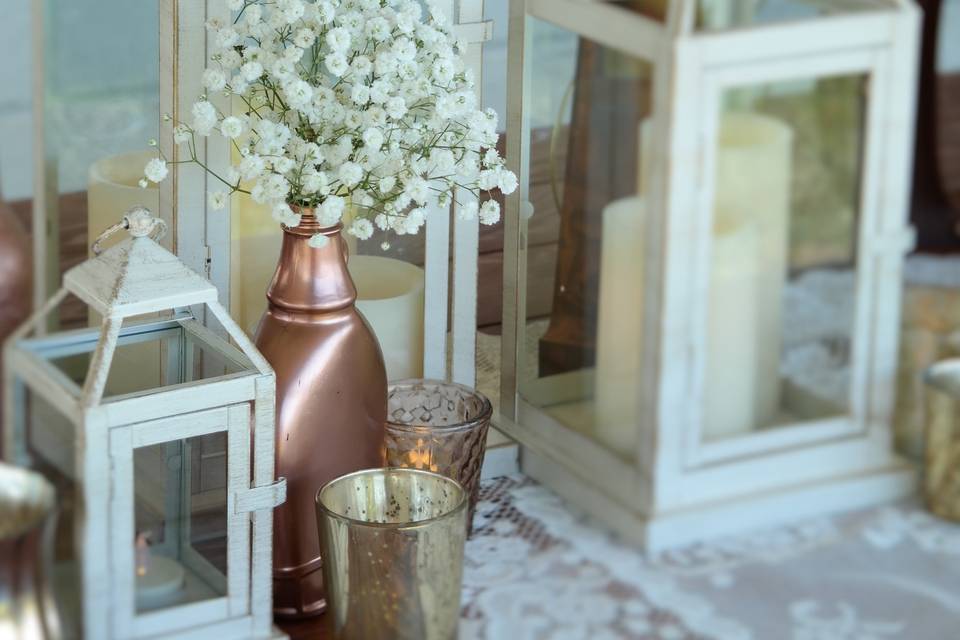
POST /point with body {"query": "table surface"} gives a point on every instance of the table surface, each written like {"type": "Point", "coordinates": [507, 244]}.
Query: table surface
{"type": "Point", "coordinates": [535, 569]}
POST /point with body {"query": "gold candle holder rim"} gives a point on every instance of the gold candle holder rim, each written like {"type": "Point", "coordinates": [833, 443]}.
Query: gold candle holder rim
{"type": "Point", "coordinates": [26, 499]}
{"type": "Point", "coordinates": [484, 415]}
{"type": "Point", "coordinates": [462, 502]}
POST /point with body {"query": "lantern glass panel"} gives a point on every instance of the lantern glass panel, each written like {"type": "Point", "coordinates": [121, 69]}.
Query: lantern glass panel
{"type": "Point", "coordinates": [180, 521]}
{"type": "Point", "coordinates": [732, 14]}
{"type": "Point", "coordinates": [782, 274]}
{"type": "Point", "coordinates": [100, 105]}
{"type": "Point", "coordinates": [585, 235]}
{"type": "Point", "coordinates": [50, 444]}
{"type": "Point", "coordinates": [149, 355]}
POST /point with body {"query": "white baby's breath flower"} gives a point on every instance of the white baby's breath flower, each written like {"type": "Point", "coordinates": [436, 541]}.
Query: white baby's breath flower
{"type": "Point", "coordinates": [361, 66]}
{"type": "Point", "coordinates": [283, 214]}
{"type": "Point", "coordinates": [229, 59]}
{"type": "Point", "coordinates": [490, 212]}
{"type": "Point", "coordinates": [506, 181]}
{"type": "Point", "coordinates": [350, 174]}
{"type": "Point", "coordinates": [291, 10]}
{"type": "Point", "coordinates": [387, 183]}
{"type": "Point", "coordinates": [251, 166]}
{"type": "Point", "coordinates": [469, 210]}
{"type": "Point", "coordinates": [231, 127]}
{"type": "Point", "coordinates": [338, 39]}
{"type": "Point", "coordinates": [251, 71]}
{"type": "Point", "coordinates": [331, 211]}
{"type": "Point", "coordinates": [417, 189]}
{"type": "Point", "coordinates": [304, 38]}
{"type": "Point", "coordinates": [318, 241]}
{"type": "Point", "coordinates": [362, 229]}
{"type": "Point", "coordinates": [488, 179]}
{"type": "Point", "coordinates": [373, 138]}
{"type": "Point", "coordinates": [360, 94]}
{"type": "Point", "coordinates": [325, 12]}
{"type": "Point", "coordinates": [156, 170]}
{"type": "Point", "coordinates": [214, 80]}
{"type": "Point", "coordinates": [144, 183]}
{"type": "Point", "coordinates": [396, 107]}
{"type": "Point", "coordinates": [217, 200]}
{"type": "Point", "coordinates": [226, 38]}
{"type": "Point", "coordinates": [336, 64]}
{"type": "Point", "coordinates": [181, 133]}
{"type": "Point", "coordinates": [204, 117]}
{"type": "Point", "coordinates": [378, 28]}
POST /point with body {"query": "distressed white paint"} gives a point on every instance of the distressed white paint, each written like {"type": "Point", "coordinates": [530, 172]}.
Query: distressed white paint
{"type": "Point", "coordinates": [677, 488]}
{"type": "Point", "coordinates": [138, 276]}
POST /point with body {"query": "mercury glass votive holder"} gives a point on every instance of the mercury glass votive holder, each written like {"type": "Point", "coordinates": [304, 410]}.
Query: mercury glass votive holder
{"type": "Point", "coordinates": [440, 427]}
{"type": "Point", "coordinates": [392, 542]}
{"type": "Point", "coordinates": [941, 481]}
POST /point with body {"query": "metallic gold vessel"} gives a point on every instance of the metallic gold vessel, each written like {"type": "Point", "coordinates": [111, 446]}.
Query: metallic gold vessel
{"type": "Point", "coordinates": [27, 525]}
{"type": "Point", "coordinates": [393, 541]}
{"type": "Point", "coordinates": [331, 399]}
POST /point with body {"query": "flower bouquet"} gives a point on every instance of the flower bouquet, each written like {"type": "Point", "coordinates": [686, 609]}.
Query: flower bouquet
{"type": "Point", "coordinates": [365, 103]}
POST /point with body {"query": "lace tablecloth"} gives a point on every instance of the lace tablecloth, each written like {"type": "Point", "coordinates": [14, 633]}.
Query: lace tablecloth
{"type": "Point", "coordinates": [535, 569]}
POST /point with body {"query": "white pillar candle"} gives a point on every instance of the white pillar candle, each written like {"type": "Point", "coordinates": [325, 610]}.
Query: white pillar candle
{"type": "Point", "coordinates": [731, 329]}
{"type": "Point", "coordinates": [390, 297]}
{"type": "Point", "coordinates": [754, 166]}
{"type": "Point", "coordinates": [619, 325]}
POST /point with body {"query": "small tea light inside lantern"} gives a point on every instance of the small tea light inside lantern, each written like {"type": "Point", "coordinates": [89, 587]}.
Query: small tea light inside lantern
{"type": "Point", "coordinates": [160, 580]}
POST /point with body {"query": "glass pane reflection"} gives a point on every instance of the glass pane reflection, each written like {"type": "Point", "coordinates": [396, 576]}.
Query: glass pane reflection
{"type": "Point", "coordinates": [585, 236]}
{"type": "Point", "coordinates": [783, 266]}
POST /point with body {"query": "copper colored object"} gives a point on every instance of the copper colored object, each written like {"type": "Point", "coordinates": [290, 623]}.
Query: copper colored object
{"type": "Point", "coordinates": [27, 524]}
{"type": "Point", "coordinates": [393, 541]}
{"type": "Point", "coordinates": [440, 427]}
{"type": "Point", "coordinates": [331, 399]}
{"type": "Point", "coordinates": [15, 276]}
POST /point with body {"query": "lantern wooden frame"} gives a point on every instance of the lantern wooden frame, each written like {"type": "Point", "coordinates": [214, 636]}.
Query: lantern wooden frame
{"type": "Point", "coordinates": [678, 488]}
{"type": "Point", "coordinates": [134, 278]}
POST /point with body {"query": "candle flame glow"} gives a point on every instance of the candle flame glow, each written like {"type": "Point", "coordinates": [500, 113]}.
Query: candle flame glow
{"type": "Point", "coordinates": [143, 553]}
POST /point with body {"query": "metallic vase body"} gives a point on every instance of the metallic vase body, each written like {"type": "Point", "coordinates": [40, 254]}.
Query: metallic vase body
{"type": "Point", "coordinates": [331, 399]}
{"type": "Point", "coordinates": [27, 525]}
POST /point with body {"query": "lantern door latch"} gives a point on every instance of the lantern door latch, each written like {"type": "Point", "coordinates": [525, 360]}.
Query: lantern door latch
{"type": "Point", "coordinates": [261, 498]}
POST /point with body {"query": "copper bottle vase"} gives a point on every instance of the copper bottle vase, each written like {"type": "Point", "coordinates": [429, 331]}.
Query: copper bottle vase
{"type": "Point", "coordinates": [331, 399]}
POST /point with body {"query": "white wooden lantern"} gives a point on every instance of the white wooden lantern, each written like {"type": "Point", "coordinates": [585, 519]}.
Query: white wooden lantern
{"type": "Point", "coordinates": [166, 479]}
{"type": "Point", "coordinates": [701, 282]}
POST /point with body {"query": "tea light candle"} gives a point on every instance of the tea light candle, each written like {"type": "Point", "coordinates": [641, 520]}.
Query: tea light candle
{"type": "Point", "coordinates": [159, 581]}
{"type": "Point", "coordinates": [390, 297]}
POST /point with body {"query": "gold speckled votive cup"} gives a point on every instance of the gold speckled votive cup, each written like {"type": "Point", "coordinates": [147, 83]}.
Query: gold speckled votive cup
{"type": "Point", "coordinates": [392, 545]}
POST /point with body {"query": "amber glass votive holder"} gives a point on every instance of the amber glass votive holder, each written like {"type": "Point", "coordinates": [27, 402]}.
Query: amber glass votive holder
{"type": "Point", "coordinates": [440, 427]}
{"type": "Point", "coordinates": [392, 543]}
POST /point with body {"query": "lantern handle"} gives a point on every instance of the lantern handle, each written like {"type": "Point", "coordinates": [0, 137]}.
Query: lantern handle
{"type": "Point", "coordinates": [139, 221]}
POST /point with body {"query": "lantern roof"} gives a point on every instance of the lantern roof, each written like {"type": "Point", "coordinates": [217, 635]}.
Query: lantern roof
{"type": "Point", "coordinates": [137, 276]}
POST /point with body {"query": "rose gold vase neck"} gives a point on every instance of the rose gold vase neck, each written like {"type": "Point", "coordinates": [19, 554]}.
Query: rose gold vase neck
{"type": "Point", "coordinates": [312, 279]}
